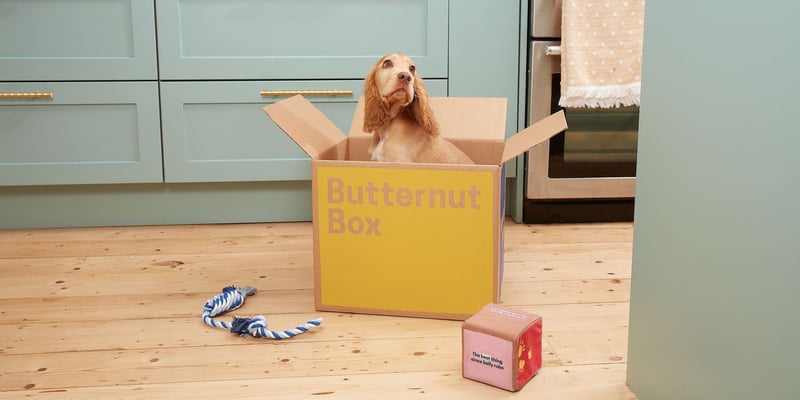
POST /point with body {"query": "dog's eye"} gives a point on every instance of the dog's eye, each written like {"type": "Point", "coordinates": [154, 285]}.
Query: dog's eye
{"type": "Point", "coordinates": [412, 68]}
{"type": "Point", "coordinates": [387, 63]}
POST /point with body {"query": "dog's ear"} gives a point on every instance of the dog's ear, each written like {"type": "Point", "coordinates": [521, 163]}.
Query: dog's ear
{"type": "Point", "coordinates": [375, 112]}
{"type": "Point", "coordinates": [421, 109]}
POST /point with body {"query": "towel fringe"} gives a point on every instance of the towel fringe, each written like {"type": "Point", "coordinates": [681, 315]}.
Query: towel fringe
{"type": "Point", "coordinates": [601, 96]}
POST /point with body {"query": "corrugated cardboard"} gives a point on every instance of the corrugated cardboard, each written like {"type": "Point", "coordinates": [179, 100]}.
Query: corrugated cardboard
{"type": "Point", "coordinates": [501, 347]}
{"type": "Point", "coordinates": [422, 240]}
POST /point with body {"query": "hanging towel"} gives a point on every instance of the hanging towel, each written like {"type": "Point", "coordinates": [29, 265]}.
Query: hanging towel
{"type": "Point", "coordinates": [601, 53]}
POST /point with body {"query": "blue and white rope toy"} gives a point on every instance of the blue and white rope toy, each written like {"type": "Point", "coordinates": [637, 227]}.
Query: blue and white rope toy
{"type": "Point", "coordinates": [233, 298]}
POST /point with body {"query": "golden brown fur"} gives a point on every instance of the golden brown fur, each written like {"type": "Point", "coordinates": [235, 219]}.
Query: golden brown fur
{"type": "Point", "coordinates": [397, 113]}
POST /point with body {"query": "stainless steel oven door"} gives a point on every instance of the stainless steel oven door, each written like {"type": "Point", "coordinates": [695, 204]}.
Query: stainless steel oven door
{"type": "Point", "coordinates": [541, 184]}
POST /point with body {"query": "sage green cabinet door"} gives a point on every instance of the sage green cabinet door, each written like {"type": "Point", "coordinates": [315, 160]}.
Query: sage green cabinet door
{"type": "Point", "coordinates": [88, 132]}
{"type": "Point", "coordinates": [280, 39]}
{"type": "Point", "coordinates": [44, 40]}
{"type": "Point", "coordinates": [217, 132]}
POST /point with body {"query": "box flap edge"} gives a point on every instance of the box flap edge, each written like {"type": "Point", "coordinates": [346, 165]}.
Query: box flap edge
{"type": "Point", "coordinates": [534, 134]}
{"type": "Point", "coordinates": [306, 125]}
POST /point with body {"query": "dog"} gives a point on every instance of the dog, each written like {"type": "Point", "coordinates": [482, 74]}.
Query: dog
{"type": "Point", "coordinates": [398, 114]}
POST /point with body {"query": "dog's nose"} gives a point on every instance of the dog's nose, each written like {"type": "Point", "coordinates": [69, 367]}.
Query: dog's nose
{"type": "Point", "coordinates": [404, 77]}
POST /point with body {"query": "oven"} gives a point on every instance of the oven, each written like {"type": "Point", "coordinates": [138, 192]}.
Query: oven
{"type": "Point", "coordinates": [586, 173]}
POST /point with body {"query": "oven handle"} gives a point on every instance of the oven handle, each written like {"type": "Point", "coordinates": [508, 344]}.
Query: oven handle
{"type": "Point", "coordinates": [553, 51]}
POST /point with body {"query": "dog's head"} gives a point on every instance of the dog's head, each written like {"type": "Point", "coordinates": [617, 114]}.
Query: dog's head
{"type": "Point", "coordinates": [392, 89]}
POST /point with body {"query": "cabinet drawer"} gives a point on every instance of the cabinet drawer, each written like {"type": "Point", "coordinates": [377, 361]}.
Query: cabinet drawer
{"type": "Point", "coordinates": [279, 39]}
{"type": "Point", "coordinates": [87, 133]}
{"type": "Point", "coordinates": [216, 131]}
{"type": "Point", "coordinates": [77, 40]}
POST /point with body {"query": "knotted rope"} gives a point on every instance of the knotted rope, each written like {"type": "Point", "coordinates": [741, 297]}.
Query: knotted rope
{"type": "Point", "coordinates": [233, 298]}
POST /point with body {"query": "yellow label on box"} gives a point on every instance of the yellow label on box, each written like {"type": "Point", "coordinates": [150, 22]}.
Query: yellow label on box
{"type": "Point", "coordinates": [408, 239]}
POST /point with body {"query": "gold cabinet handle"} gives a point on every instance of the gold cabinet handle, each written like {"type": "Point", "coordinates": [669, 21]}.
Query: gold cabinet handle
{"type": "Point", "coordinates": [26, 95]}
{"type": "Point", "coordinates": [283, 93]}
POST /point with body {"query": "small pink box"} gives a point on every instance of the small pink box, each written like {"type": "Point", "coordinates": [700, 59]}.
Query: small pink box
{"type": "Point", "coordinates": [502, 347]}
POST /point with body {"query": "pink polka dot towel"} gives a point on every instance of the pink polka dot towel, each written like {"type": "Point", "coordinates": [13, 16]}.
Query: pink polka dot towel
{"type": "Point", "coordinates": [601, 53]}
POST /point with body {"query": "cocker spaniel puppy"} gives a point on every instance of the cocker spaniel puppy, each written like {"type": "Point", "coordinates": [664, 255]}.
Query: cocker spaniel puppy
{"type": "Point", "coordinates": [397, 113]}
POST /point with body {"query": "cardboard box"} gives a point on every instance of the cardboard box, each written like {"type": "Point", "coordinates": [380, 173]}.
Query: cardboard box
{"type": "Point", "coordinates": [422, 240]}
{"type": "Point", "coordinates": [502, 347]}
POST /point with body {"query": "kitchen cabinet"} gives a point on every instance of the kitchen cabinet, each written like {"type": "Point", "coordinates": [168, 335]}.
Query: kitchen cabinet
{"type": "Point", "coordinates": [77, 40]}
{"type": "Point", "coordinates": [174, 122]}
{"type": "Point", "coordinates": [716, 264]}
{"type": "Point", "coordinates": [308, 39]}
{"type": "Point", "coordinates": [213, 81]}
{"type": "Point", "coordinates": [88, 132]}
{"type": "Point", "coordinates": [78, 97]}
{"type": "Point", "coordinates": [215, 131]}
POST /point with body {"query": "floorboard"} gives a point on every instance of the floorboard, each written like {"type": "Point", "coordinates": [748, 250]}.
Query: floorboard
{"type": "Point", "coordinates": [115, 313]}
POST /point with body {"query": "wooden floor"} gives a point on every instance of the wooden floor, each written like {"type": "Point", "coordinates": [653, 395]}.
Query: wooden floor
{"type": "Point", "coordinates": [115, 313]}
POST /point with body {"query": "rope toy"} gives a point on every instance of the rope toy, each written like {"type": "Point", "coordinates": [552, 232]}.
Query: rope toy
{"type": "Point", "coordinates": [233, 298]}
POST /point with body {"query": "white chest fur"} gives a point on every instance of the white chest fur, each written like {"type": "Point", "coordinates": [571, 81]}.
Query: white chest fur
{"type": "Point", "coordinates": [377, 152]}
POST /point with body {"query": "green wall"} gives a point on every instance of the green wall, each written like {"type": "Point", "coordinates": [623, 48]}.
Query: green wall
{"type": "Point", "coordinates": [716, 260]}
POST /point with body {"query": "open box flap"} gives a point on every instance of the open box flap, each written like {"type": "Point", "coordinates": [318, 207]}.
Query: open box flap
{"type": "Point", "coordinates": [534, 134]}
{"type": "Point", "coordinates": [306, 125]}
{"type": "Point", "coordinates": [469, 118]}
{"type": "Point", "coordinates": [474, 118]}
{"type": "Point", "coordinates": [357, 124]}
